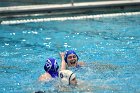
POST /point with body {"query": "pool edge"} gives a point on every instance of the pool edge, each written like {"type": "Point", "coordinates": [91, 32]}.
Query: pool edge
{"type": "Point", "coordinates": [97, 7]}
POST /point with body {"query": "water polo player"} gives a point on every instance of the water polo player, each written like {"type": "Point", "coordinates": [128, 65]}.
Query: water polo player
{"type": "Point", "coordinates": [51, 67]}
{"type": "Point", "coordinates": [70, 59]}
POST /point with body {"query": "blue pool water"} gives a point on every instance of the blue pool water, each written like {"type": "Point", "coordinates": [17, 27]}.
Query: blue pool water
{"type": "Point", "coordinates": [109, 46]}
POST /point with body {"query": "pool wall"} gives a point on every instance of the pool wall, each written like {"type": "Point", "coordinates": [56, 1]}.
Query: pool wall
{"type": "Point", "coordinates": [95, 7]}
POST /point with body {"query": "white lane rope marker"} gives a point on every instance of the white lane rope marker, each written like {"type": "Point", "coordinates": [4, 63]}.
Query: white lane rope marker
{"type": "Point", "coordinates": [8, 22]}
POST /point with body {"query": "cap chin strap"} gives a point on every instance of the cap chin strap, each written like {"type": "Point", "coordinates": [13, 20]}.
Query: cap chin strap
{"type": "Point", "coordinates": [70, 78]}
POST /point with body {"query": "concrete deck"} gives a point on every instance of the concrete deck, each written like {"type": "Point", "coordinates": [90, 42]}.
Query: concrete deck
{"type": "Point", "coordinates": [50, 9]}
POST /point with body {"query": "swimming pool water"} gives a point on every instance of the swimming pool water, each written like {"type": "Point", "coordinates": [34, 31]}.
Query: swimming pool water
{"type": "Point", "coordinates": [109, 46]}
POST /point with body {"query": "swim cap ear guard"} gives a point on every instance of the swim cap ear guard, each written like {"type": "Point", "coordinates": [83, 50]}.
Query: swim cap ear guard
{"type": "Point", "coordinates": [51, 65]}
{"type": "Point", "coordinates": [68, 53]}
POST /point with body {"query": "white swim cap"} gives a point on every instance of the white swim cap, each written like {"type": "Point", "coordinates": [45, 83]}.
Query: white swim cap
{"type": "Point", "coordinates": [66, 76]}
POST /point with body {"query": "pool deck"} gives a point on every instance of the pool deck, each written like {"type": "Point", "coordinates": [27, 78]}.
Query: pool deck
{"type": "Point", "coordinates": [57, 8]}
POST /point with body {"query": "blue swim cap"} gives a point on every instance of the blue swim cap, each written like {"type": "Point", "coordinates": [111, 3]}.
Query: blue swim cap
{"type": "Point", "coordinates": [51, 65]}
{"type": "Point", "coordinates": [68, 53]}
